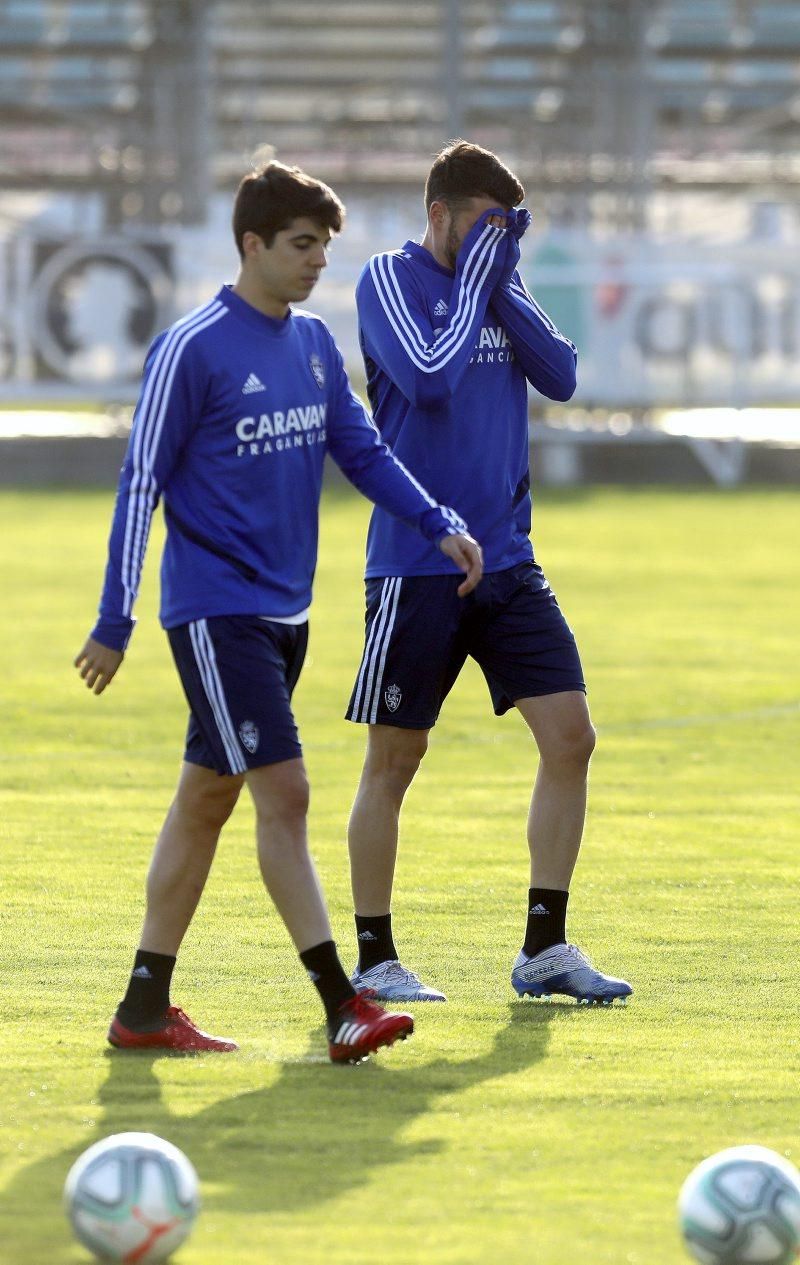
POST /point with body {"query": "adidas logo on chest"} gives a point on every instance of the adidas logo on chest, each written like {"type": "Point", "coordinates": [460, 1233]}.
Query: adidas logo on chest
{"type": "Point", "coordinates": [252, 385]}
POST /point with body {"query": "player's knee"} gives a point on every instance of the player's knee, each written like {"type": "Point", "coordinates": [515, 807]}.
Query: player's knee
{"type": "Point", "coordinates": [296, 799]}
{"type": "Point", "coordinates": [587, 743]}
{"type": "Point", "coordinates": [211, 805]}
{"type": "Point", "coordinates": [396, 762]}
{"type": "Point", "coordinates": [572, 747]}
{"type": "Point", "coordinates": [288, 798]}
{"type": "Point", "coordinates": [581, 743]}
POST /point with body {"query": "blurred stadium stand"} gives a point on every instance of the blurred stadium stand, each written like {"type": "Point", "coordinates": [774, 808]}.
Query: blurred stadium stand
{"type": "Point", "coordinates": [657, 138]}
{"type": "Point", "coordinates": [158, 101]}
{"type": "Point", "coordinates": [97, 95]}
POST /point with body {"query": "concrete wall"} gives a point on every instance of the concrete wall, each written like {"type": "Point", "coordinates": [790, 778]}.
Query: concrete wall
{"type": "Point", "coordinates": [558, 459]}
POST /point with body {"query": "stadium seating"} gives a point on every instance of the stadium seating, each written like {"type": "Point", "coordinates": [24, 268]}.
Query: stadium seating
{"type": "Point", "coordinates": [124, 94]}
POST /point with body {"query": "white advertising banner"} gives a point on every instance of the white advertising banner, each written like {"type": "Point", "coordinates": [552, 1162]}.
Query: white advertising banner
{"type": "Point", "coordinates": [657, 325]}
{"type": "Point", "coordinates": [674, 324]}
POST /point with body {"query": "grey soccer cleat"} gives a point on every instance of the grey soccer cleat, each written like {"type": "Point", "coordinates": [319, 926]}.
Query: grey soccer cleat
{"type": "Point", "coordinates": [391, 981]}
{"type": "Point", "coordinates": [564, 969]}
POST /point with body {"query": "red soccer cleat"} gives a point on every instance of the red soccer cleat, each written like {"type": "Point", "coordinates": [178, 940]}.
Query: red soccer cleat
{"type": "Point", "coordinates": [363, 1028]}
{"type": "Point", "coordinates": [178, 1033]}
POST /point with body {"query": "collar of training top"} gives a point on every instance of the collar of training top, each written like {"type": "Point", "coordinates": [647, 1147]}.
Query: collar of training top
{"type": "Point", "coordinates": [274, 326]}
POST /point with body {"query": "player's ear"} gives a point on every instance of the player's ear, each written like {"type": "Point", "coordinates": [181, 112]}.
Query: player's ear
{"type": "Point", "coordinates": [438, 214]}
{"type": "Point", "coordinates": [251, 243]}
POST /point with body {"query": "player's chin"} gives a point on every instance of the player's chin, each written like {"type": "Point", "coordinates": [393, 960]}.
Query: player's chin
{"type": "Point", "coordinates": [304, 288]}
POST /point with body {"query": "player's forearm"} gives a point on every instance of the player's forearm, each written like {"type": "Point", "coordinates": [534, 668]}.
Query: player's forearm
{"type": "Point", "coordinates": [113, 630]}
{"type": "Point", "coordinates": [430, 389]}
{"type": "Point", "coordinates": [428, 369]}
{"type": "Point", "coordinates": [115, 619]}
{"type": "Point", "coordinates": [405, 499]}
{"type": "Point", "coordinates": [546, 357]}
{"type": "Point", "coordinates": [426, 380]}
{"type": "Point", "coordinates": [130, 529]}
{"type": "Point", "coordinates": [375, 471]}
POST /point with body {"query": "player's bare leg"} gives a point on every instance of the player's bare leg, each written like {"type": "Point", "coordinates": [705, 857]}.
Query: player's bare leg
{"type": "Point", "coordinates": [392, 759]}
{"type": "Point", "coordinates": [546, 963]}
{"type": "Point", "coordinates": [183, 854]}
{"type": "Point", "coordinates": [563, 732]}
{"type": "Point", "coordinates": [356, 1026]}
{"type": "Point", "coordinates": [178, 871]}
{"type": "Point", "coordinates": [281, 795]}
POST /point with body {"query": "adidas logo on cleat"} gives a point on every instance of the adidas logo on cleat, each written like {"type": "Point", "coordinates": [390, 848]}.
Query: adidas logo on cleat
{"type": "Point", "coordinates": [252, 385]}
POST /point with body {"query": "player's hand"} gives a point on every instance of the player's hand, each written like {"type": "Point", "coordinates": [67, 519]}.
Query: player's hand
{"type": "Point", "coordinates": [517, 221]}
{"type": "Point", "coordinates": [467, 554]}
{"type": "Point", "coordinates": [98, 664]}
{"type": "Point", "coordinates": [521, 222]}
{"type": "Point", "coordinates": [511, 261]}
{"type": "Point", "coordinates": [496, 219]}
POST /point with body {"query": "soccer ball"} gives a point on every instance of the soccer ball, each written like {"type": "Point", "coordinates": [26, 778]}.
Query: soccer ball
{"type": "Point", "coordinates": [132, 1197]}
{"type": "Point", "coordinates": [742, 1207]}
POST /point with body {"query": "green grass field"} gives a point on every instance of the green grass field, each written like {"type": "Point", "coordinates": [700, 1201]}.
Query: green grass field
{"type": "Point", "coordinates": [505, 1131]}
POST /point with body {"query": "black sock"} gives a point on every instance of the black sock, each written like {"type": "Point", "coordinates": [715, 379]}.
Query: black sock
{"type": "Point", "coordinates": [147, 997]}
{"type": "Point", "coordinates": [328, 977]}
{"type": "Point", "coordinates": [375, 943]}
{"type": "Point", "coordinates": [547, 918]}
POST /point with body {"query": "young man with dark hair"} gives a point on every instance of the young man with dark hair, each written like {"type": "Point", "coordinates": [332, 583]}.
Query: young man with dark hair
{"type": "Point", "coordinates": [450, 338]}
{"type": "Point", "coordinates": [270, 197]}
{"type": "Point", "coordinates": [239, 403]}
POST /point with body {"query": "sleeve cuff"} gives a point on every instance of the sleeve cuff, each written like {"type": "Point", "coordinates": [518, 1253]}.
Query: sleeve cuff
{"type": "Point", "coordinates": [441, 521]}
{"type": "Point", "coordinates": [113, 632]}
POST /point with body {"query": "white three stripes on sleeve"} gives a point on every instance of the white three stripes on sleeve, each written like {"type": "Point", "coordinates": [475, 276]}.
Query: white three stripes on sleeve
{"type": "Point", "coordinates": [432, 358]}
{"type": "Point", "coordinates": [473, 263]}
{"type": "Point", "coordinates": [150, 422]}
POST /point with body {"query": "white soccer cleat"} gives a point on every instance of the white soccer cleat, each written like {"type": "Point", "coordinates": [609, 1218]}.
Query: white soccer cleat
{"type": "Point", "coordinates": [563, 968]}
{"type": "Point", "coordinates": [391, 981]}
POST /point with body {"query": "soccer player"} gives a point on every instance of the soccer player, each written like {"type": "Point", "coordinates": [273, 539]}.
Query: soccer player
{"type": "Point", "coordinates": [239, 403]}
{"type": "Point", "coordinates": [450, 338]}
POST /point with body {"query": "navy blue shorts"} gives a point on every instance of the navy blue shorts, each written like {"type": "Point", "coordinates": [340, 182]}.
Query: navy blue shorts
{"type": "Point", "coordinates": [238, 673]}
{"type": "Point", "coordinates": [419, 633]}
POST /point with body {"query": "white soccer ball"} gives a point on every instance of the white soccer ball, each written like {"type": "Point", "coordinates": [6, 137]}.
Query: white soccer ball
{"type": "Point", "coordinates": [132, 1197]}
{"type": "Point", "coordinates": [742, 1207]}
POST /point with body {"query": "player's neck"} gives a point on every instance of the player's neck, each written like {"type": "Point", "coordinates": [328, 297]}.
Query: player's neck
{"type": "Point", "coordinates": [254, 293]}
{"type": "Point", "coordinates": [429, 244]}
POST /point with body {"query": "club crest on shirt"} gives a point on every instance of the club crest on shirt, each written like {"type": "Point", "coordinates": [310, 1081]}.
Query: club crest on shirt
{"type": "Point", "coordinates": [393, 697]}
{"type": "Point", "coordinates": [318, 370]}
{"type": "Point", "coordinates": [248, 732]}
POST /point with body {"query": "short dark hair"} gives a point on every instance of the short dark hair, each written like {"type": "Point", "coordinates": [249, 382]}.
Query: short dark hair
{"type": "Point", "coordinates": [463, 170]}
{"type": "Point", "coordinates": [271, 196]}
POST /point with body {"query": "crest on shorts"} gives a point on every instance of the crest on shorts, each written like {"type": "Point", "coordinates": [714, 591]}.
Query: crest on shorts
{"type": "Point", "coordinates": [393, 696]}
{"type": "Point", "coordinates": [318, 370]}
{"type": "Point", "coordinates": [248, 732]}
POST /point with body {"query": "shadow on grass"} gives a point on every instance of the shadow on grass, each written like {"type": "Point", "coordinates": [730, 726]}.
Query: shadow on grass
{"type": "Point", "coordinates": [312, 1135]}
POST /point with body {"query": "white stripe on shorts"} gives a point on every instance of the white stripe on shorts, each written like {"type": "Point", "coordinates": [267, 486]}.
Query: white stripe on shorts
{"type": "Point", "coordinates": [207, 663]}
{"type": "Point", "coordinates": [370, 677]}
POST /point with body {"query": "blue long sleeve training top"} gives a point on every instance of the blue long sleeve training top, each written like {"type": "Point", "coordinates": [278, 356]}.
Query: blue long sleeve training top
{"type": "Point", "coordinates": [235, 415]}
{"type": "Point", "coordinates": [447, 357]}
